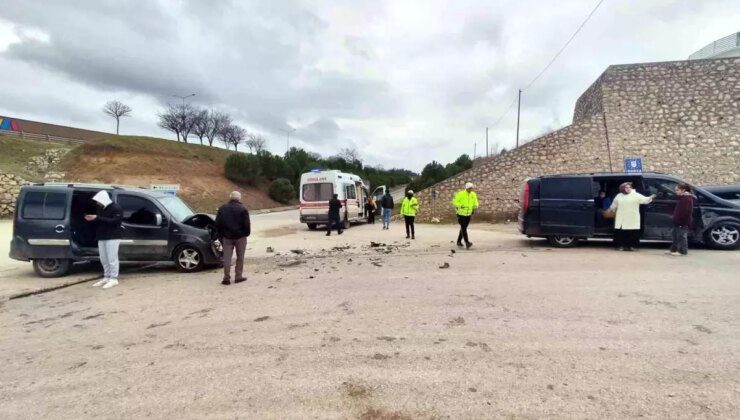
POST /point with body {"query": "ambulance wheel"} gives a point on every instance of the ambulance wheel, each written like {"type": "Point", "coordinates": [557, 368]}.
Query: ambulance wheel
{"type": "Point", "coordinates": [311, 226]}
{"type": "Point", "coordinates": [51, 267]}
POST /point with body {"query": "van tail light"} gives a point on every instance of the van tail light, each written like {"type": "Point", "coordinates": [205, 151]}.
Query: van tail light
{"type": "Point", "coordinates": [525, 198]}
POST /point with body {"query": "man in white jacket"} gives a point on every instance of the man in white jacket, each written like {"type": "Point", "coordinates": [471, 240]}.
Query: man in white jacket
{"type": "Point", "coordinates": [627, 219]}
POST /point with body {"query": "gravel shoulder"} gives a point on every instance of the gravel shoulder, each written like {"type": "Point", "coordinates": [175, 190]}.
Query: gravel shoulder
{"type": "Point", "coordinates": [511, 329]}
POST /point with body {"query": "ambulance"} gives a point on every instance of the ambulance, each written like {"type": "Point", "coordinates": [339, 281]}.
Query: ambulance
{"type": "Point", "coordinates": [317, 188]}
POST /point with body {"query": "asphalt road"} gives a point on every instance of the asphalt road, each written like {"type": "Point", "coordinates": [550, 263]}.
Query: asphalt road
{"type": "Point", "coordinates": [337, 327]}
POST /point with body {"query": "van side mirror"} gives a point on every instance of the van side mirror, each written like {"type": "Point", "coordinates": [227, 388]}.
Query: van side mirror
{"type": "Point", "coordinates": [158, 218]}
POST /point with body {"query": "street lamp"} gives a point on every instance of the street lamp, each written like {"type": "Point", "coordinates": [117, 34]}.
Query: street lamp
{"type": "Point", "coordinates": [287, 133]}
{"type": "Point", "coordinates": [183, 97]}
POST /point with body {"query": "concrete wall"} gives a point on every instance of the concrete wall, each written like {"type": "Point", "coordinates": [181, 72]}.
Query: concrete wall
{"type": "Point", "coordinates": [10, 186]}
{"type": "Point", "coordinates": [681, 118]}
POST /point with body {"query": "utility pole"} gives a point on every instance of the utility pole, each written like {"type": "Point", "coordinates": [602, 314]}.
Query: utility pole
{"type": "Point", "coordinates": [183, 98]}
{"type": "Point", "coordinates": [487, 150]}
{"type": "Point", "coordinates": [475, 149]}
{"type": "Point", "coordinates": [518, 110]}
{"type": "Point", "coordinates": [287, 133]}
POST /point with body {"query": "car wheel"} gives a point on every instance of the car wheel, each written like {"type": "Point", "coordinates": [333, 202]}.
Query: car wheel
{"type": "Point", "coordinates": [52, 267]}
{"type": "Point", "coordinates": [346, 224]}
{"type": "Point", "coordinates": [723, 236]}
{"type": "Point", "coordinates": [311, 226]}
{"type": "Point", "coordinates": [562, 241]}
{"type": "Point", "coordinates": [188, 259]}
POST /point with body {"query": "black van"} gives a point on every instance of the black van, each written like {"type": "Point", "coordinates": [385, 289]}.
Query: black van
{"type": "Point", "coordinates": [49, 228]}
{"type": "Point", "coordinates": [562, 209]}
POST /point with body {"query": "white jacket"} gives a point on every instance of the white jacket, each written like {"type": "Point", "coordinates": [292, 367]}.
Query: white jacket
{"type": "Point", "coordinates": [627, 207]}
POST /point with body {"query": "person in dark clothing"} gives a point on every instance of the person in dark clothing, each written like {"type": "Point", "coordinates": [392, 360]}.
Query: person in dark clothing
{"type": "Point", "coordinates": [334, 206]}
{"type": "Point", "coordinates": [386, 205]}
{"type": "Point", "coordinates": [602, 202]}
{"type": "Point", "coordinates": [108, 232]}
{"type": "Point", "coordinates": [370, 208]}
{"type": "Point", "coordinates": [682, 219]}
{"type": "Point", "coordinates": [233, 226]}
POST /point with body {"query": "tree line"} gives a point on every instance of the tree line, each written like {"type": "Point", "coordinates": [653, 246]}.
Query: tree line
{"type": "Point", "coordinates": [435, 172]}
{"type": "Point", "coordinates": [185, 119]}
{"type": "Point", "coordinates": [282, 172]}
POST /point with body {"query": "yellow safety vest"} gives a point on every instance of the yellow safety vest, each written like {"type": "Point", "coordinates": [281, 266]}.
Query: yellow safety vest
{"type": "Point", "coordinates": [409, 207]}
{"type": "Point", "coordinates": [465, 202]}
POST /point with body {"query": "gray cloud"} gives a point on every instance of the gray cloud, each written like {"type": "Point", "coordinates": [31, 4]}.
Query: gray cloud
{"type": "Point", "coordinates": [405, 82]}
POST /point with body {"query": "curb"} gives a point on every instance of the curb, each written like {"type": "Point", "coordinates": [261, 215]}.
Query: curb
{"type": "Point", "coordinates": [274, 210]}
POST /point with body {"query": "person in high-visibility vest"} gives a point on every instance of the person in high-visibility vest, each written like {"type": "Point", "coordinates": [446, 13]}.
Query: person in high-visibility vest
{"type": "Point", "coordinates": [465, 204]}
{"type": "Point", "coordinates": [409, 208]}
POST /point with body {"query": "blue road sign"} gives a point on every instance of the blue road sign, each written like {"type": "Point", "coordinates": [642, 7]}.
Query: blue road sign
{"type": "Point", "coordinates": [633, 165]}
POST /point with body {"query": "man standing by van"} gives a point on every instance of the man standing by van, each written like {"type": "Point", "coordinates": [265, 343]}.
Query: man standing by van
{"type": "Point", "coordinates": [334, 206]}
{"type": "Point", "coordinates": [108, 233]}
{"type": "Point", "coordinates": [386, 204]}
{"type": "Point", "coordinates": [465, 203]}
{"type": "Point", "coordinates": [233, 225]}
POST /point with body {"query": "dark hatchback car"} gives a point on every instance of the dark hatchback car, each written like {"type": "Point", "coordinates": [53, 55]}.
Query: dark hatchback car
{"type": "Point", "coordinates": [562, 208]}
{"type": "Point", "coordinates": [49, 228]}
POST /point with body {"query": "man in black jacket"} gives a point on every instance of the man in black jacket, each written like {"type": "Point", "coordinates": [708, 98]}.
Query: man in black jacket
{"type": "Point", "coordinates": [108, 233]}
{"type": "Point", "coordinates": [386, 203]}
{"type": "Point", "coordinates": [334, 206]}
{"type": "Point", "coordinates": [232, 222]}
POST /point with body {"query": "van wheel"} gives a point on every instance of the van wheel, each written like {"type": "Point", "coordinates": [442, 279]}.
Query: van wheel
{"type": "Point", "coordinates": [51, 267]}
{"type": "Point", "coordinates": [723, 236]}
{"type": "Point", "coordinates": [562, 241]}
{"type": "Point", "coordinates": [188, 259]}
{"type": "Point", "coordinates": [311, 226]}
{"type": "Point", "coordinates": [346, 224]}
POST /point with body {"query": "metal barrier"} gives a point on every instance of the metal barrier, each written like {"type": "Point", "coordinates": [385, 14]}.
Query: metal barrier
{"type": "Point", "coordinates": [717, 47]}
{"type": "Point", "coordinates": [45, 137]}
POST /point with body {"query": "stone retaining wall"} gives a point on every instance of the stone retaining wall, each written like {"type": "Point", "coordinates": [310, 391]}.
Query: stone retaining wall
{"type": "Point", "coordinates": [10, 186]}
{"type": "Point", "coordinates": [681, 118]}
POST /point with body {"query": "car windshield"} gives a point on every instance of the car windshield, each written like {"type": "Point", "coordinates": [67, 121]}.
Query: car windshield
{"type": "Point", "coordinates": [177, 208]}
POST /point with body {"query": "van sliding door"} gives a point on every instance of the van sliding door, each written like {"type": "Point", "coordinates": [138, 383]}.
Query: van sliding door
{"type": "Point", "coordinates": [567, 206]}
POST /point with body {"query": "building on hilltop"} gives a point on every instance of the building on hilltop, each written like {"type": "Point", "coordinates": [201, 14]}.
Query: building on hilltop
{"type": "Point", "coordinates": [680, 117]}
{"type": "Point", "coordinates": [725, 47]}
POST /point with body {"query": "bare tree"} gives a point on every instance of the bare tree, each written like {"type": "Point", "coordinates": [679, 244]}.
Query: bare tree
{"type": "Point", "coordinates": [186, 115]}
{"type": "Point", "coordinates": [170, 120]}
{"type": "Point", "coordinates": [218, 121]}
{"type": "Point", "coordinates": [256, 143]}
{"type": "Point", "coordinates": [495, 149]}
{"type": "Point", "coordinates": [233, 135]}
{"type": "Point", "coordinates": [117, 109]}
{"type": "Point", "coordinates": [202, 124]}
{"type": "Point", "coordinates": [350, 154]}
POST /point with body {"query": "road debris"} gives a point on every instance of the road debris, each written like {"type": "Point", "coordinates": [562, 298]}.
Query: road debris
{"type": "Point", "coordinates": [445, 265]}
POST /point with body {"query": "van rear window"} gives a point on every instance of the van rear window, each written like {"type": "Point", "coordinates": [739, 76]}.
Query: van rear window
{"type": "Point", "coordinates": [317, 192]}
{"type": "Point", "coordinates": [44, 205]}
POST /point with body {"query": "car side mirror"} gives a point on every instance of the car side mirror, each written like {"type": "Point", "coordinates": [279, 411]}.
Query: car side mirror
{"type": "Point", "coordinates": [159, 219]}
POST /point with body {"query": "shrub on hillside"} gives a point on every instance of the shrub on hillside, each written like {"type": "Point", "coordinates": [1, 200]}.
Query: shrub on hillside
{"type": "Point", "coordinates": [281, 190]}
{"type": "Point", "coordinates": [241, 167]}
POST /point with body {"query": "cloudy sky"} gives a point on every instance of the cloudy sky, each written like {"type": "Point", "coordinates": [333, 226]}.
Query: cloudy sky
{"type": "Point", "coordinates": [403, 81]}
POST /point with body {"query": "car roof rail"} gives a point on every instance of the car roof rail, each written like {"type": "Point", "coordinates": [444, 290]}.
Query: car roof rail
{"type": "Point", "coordinates": [83, 185]}
{"type": "Point", "coordinates": [608, 173]}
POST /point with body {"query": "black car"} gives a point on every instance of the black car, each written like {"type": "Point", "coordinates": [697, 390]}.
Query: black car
{"type": "Point", "coordinates": [562, 208]}
{"type": "Point", "coordinates": [726, 192]}
{"type": "Point", "coordinates": [49, 228]}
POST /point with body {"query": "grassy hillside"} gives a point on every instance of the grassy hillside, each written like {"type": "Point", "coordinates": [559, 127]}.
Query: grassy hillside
{"type": "Point", "coordinates": [140, 161]}
{"type": "Point", "coordinates": [15, 152]}
{"type": "Point", "coordinates": [143, 161]}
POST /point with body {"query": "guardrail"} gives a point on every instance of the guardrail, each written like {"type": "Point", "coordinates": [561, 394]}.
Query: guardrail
{"type": "Point", "coordinates": [45, 137]}
{"type": "Point", "coordinates": [717, 47]}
